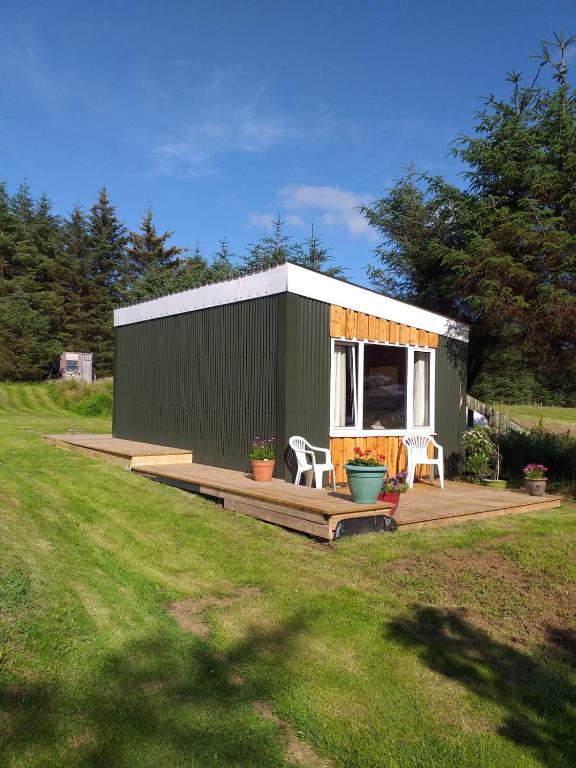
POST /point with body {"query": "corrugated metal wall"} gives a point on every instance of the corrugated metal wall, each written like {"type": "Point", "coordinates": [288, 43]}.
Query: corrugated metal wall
{"type": "Point", "coordinates": [203, 380]}
{"type": "Point", "coordinates": [451, 401]}
{"type": "Point", "coordinates": [212, 379]}
{"type": "Point", "coordinates": [304, 384]}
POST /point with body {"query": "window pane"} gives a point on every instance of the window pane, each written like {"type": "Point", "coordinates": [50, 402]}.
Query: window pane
{"type": "Point", "coordinates": [421, 406]}
{"type": "Point", "coordinates": [344, 392]}
{"type": "Point", "coordinates": [384, 387]}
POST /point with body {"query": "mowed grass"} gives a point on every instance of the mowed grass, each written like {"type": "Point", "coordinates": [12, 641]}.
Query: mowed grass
{"type": "Point", "coordinates": [555, 419]}
{"type": "Point", "coordinates": [429, 649]}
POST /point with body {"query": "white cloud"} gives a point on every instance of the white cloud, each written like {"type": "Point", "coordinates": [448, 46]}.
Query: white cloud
{"type": "Point", "coordinates": [262, 219]}
{"type": "Point", "coordinates": [330, 207]}
{"type": "Point", "coordinates": [195, 150]}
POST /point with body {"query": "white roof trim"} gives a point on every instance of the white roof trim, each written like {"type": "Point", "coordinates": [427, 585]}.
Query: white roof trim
{"type": "Point", "coordinates": [293, 279]}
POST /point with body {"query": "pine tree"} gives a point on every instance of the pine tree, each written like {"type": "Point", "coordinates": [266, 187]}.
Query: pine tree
{"type": "Point", "coordinates": [28, 347]}
{"type": "Point", "coordinates": [272, 249]}
{"type": "Point", "coordinates": [222, 265]}
{"type": "Point", "coordinates": [75, 276]}
{"type": "Point", "coordinates": [9, 229]}
{"type": "Point", "coordinates": [108, 273]}
{"type": "Point", "coordinates": [22, 204]}
{"type": "Point", "coordinates": [315, 256]}
{"type": "Point", "coordinates": [147, 249]}
{"type": "Point", "coordinates": [500, 254]}
{"type": "Point", "coordinates": [192, 272]}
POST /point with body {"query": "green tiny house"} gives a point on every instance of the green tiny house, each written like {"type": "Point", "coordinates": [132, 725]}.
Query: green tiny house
{"type": "Point", "coordinates": [282, 352]}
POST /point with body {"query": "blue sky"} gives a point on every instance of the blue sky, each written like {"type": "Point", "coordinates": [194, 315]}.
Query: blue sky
{"type": "Point", "coordinates": [220, 115]}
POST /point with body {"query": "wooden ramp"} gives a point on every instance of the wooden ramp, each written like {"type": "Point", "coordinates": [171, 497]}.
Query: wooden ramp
{"type": "Point", "coordinates": [126, 453]}
{"type": "Point", "coordinates": [320, 513]}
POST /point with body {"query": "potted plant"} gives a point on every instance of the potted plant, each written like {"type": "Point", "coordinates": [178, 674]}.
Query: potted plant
{"type": "Point", "coordinates": [262, 458]}
{"type": "Point", "coordinates": [483, 457]}
{"type": "Point", "coordinates": [391, 490]}
{"type": "Point", "coordinates": [535, 475]}
{"type": "Point", "coordinates": [365, 474]}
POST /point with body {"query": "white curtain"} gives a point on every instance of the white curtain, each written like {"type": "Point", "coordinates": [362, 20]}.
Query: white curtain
{"type": "Point", "coordinates": [344, 396]}
{"type": "Point", "coordinates": [339, 374]}
{"type": "Point", "coordinates": [421, 407]}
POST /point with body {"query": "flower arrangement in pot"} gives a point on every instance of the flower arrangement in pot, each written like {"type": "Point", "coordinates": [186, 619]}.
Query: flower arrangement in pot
{"type": "Point", "coordinates": [365, 473]}
{"type": "Point", "coordinates": [262, 458]}
{"type": "Point", "coordinates": [535, 479]}
{"type": "Point", "coordinates": [391, 490]}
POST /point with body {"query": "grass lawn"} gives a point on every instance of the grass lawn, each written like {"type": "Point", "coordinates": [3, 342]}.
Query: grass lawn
{"type": "Point", "coordinates": [555, 419]}
{"type": "Point", "coordinates": [143, 627]}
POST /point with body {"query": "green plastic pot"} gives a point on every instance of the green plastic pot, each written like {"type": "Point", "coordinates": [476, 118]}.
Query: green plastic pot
{"type": "Point", "coordinates": [365, 483]}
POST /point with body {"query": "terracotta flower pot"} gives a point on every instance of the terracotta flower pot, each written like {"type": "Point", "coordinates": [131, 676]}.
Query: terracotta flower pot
{"type": "Point", "coordinates": [536, 487]}
{"type": "Point", "coordinates": [262, 469]}
{"type": "Point", "coordinates": [391, 498]}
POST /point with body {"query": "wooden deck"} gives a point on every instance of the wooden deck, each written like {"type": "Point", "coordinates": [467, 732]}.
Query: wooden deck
{"type": "Point", "coordinates": [127, 453]}
{"type": "Point", "coordinates": [321, 513]}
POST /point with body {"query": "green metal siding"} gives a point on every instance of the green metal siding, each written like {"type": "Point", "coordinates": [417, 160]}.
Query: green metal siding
{"type": "Point", "coordinates": [304, 379]}
{"type": "Point", "coordinates": [203, 380]}
{"type": "Point", "coordinates": [451, 401]}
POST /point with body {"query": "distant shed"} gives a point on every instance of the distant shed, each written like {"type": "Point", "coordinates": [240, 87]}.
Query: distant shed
{"type": "Point", "coordinates": [282, 352]}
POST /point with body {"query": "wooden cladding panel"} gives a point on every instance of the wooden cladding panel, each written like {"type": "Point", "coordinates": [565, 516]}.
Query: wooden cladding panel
{"type": "Point", "coordinates": [342, 449]}
{"type": "Point", "coordinates": [349, 324]}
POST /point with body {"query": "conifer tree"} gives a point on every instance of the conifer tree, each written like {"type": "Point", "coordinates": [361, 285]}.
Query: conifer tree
{"type": "Point", "coordinates": [501, 253]}
{"type": "Point", "coordinates": [107, 241]}
{"type": "Point", "coordinates": [75, 277]}
{"type": "Point", "coordinates": [147, 249]}
{"type": "Point", "coordinates": [222, 265]}
{"type": "Point", "coordinates": [192, 272]}
{"type": "Point", "coordinates": [315, 256]}
{"type": "Point", "coordinates": [272, 249]}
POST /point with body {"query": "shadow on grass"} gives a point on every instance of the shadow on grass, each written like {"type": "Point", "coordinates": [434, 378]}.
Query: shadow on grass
{"type": "Point", "coordinates": [161, 701]}
{"type": "Point", "coordinates": [537, 695]}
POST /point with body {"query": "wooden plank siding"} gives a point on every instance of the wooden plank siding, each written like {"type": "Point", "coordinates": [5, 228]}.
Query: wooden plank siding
{"type": "Point", "coordinates": [342, 449]}
{"type": "Point", "coordinates": [349, 324]}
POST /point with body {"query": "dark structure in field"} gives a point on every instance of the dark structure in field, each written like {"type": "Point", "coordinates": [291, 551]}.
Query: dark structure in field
{"type": "Point", "coordinates": [283, 352]}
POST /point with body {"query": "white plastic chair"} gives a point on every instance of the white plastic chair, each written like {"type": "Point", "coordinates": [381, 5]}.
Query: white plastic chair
{"type": "Point", "coordinates": [307, 464]}
{"type": "Point", "coordinates": [417, 451]}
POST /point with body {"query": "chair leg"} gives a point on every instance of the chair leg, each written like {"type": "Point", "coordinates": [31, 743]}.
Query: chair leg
{"type": "Point", "coordinates": [318, 478]}
{"type": "Point", "coordinates": [298, 476]}
{"type": "Point", "coordinates": [410, 477]}
{"type": "Point", "coordinates": [334, 479]}
{"type": "Point", "coordinates": [441, 473]}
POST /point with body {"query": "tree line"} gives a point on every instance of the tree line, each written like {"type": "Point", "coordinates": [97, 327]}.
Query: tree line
{"type": "Point", "coordinates": [497, 252]}
{"type": "Point", "coordinates": [61, 277]}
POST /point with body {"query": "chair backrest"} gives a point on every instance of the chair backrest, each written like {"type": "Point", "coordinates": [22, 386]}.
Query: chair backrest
{"type": "Point", "coordinates": [299, 445]}
{"type": "Point", "coordinates": [417, 446]}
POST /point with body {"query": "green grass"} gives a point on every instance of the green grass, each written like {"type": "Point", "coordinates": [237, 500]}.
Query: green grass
{"type": "Point", "coordinates": [83, 398]}
{"type": "Point", "coordinates": [553, 418]}
{"type": "Point", "coordinates": [448, 647]}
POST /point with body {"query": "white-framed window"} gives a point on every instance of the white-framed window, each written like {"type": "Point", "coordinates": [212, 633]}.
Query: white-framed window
{"type": "Point", "coordinates": [379, 388]}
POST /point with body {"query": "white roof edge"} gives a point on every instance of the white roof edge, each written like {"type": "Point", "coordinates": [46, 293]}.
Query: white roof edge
{"type": "Point", "coordinates": [298, 280]}
{"type": "Point", "coordinates": [314, 285]}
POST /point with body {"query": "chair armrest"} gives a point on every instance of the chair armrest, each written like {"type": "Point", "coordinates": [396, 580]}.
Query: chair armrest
{"type": "Point", "coordinates": [312, 456]}
{"type": "Point", "coordinates": [325, 451]}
